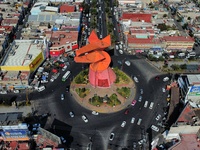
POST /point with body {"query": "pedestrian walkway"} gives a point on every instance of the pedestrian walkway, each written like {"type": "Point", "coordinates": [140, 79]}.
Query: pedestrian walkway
{"type": "Point", "coordinates": [102, 92]}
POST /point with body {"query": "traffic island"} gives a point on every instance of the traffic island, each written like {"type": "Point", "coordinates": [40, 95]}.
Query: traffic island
{"type": "Point", "coordinates": [104, 100]}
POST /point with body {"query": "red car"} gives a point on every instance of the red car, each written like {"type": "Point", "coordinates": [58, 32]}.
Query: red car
{"type": "Point", "coordinates": [126, 112]}
{"type": "Point", "coordinates": [133, 102]}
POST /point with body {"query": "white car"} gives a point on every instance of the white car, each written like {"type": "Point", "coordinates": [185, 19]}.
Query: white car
{"type": "Point", "coordinates": [163, 89]}
{"type": "Point", "coordinates": [112, 135]}
{"type": "Point", "coordinates": [71, 114]}
{"type": "Point", "coordinates": [3, 92]}
{"type": "Point", "coordinates": [95, 113]}
{"type": "Point", "coordinates": [16, 91]}
{"type": "Point", "coordinates": [136, 79]}
{"type": "Point", "coordinates": [52, 79]}
{"type": "Point", "coordinates": [166, 79]}
{"type": "Point", "coordinates": [127, 63]}
{"type": "Point", "coordinates": [62, 97]}
{"type": "Point", "coordinates": [85, 119]}
{"type": "Point", "coordinates": [123, 124]}
{"type": "Point", "coordinates": [153, 127]}
{"type": "Point", "coordinates": [64, 68]}
{"type": "Point", "coordinates": [158, 117]}
{"type": "Point", "coordinates": [132, 120]}
{"type": "Point", "coordinates": [140, 98]}
{"type": "Point", "coordinates": [121, 51]}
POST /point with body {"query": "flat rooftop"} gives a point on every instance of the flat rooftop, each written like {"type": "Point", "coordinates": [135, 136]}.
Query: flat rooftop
{"type": "Point", "coordinates": [193, 79]}
{"type": "Point", "coordinates": [22, 53]}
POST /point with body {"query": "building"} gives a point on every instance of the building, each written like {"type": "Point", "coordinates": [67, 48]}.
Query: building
{"type": "Point", "coordinates": [178, 43]}
{"type": "Point", "coordinates": [190, 88]}
{"type": "Point", "coordinates": [40, 7]}
{"type": "Point", "coordinates": [62, 41]}
{"type": "Point", "coordinates": [22, 59]}
{"type": "Point", "coordinates": [137, 17]}
{"type": "Point", "coordinates": [66, 8]}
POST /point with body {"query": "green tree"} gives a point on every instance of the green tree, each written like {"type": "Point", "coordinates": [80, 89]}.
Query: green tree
{"type": "Point", "coordinates": [162, 27]}
{"type": "Point", "coordinates": [165, 15]}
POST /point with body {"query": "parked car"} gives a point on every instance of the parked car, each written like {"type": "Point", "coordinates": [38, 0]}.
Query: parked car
{"type": "Point", "coordinates": [112, 135]}
{"type": "Point", "coordinates": [16, 91]}
{"type": "Point", "coordinates": [133, 102]}
{"type": "Point", "coordinates": [163, 89]}
{"type": "Point", "coordinates": [158, 117]}
{"type": "Point", "coordinates": [132, 120]}
{"type": "Point", "coordinates": [63, 139]}
{"type": "Point", "coordinates": [151, 105]}
{"type": "Point", "coordinates": [153, 127]}
{"type": "Point", "coordinates": [123, 124]}
{"type": "Point", "coordinates": [3, 92]}
{"type": "Point", "coordinates": [64, 68]}
{"type": "Point", "coordinates": [85, 119]}
{"type": "Point", "coordinates": [121, 51]}
{"type": "Point", "coordinates": [41, 88]}
{"type": "Point", "coordinates": [139, 121]}
{"type": "Point", "coordinates": [71, 114]}
{"type": "Point", "coordinates": [95, 113]}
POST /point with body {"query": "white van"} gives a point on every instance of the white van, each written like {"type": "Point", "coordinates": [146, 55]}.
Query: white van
{"type": "Point", "coordinates": [151, 105]}
{"type": "Point", "coordinates": [145, 104]}
{"type": "Point", "coordinates": [41, 88]}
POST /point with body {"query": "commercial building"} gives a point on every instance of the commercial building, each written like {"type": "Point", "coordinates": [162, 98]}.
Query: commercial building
{"type": "Point", "coordinates": [23, 58]}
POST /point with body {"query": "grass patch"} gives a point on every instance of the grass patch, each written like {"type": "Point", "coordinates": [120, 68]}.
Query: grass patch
{"type": "Point", "coordinates": [113, 100]}
{"type": "Point", "coordinates": [82, 77]}
{"type": "Point", "coordinates": [121, 77]}
{"type": "Point", "coordinates": [96, 100]}
{"type": "Point", "coordinates": [82, 92]}
{"type": "Point", "coordinates": [124, 91]}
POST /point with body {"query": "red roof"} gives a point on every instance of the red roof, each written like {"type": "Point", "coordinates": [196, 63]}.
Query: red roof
{"type": "Point", "coordinates": [186, 115]}
{"type": "Point", "coordinates": [150, 40]}
{"type": "Point", "coordinates": [137, 16]}
{"type": "Point", "coordinates": [178, 38]}
{"type": "Point", "coordinates": [6, 28]}
{"type": "Point", "coordinates": [67, 8]}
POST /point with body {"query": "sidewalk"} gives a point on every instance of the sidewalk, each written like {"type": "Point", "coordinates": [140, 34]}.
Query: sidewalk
{"type": "Point", "coordinates": [25, 110]}
{"type": "Point", "coordinates": [104, 108]}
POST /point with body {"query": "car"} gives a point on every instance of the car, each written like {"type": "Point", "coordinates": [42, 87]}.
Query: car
{"type": "Point", "coordinates": [127, 63]}
{"type": "Point", "coordinates": [123, 124]}
{"type": "Point", "coordinates": [158, 117]}
{"type": "Point", "coordinates": [126, 112]}
{"type": "Point", "coordinates": [157, 77]}
{"type": "Point", "coordinates": [165, 79]}
{"type": "Point", "coordinates": [62, 97]}
{"type": "Point", "coordinates": [112, 135]}
{"type": "Point", "coordinates": [132, 120]}
{"type": "Point", "coordinates": [151, 105]}
{"type": "Point", "coordinates": [140, 98]}
{"type": "Point", "coordinates": [139, 121]}
{"type": "Point", "coordinates": [145, 104]}
{"type": "Point", "coordinates": [85, 119]}
{"type": "Point", "coordinates": [153, 127]}
{"type": "Point", "coordinates": [134, 145]}
{"type": "Point", "coordinates": [120, 46]}
{"type": "Point", "coordinates": [133, 102]}
{"type": "Point", "coordinates": [3, 92]}
{"type": "Point", "coordinates": [121, 51]}
{"type": "Point", "coordinates": [16, 91]}
{"type": "Point", "coordinates": [136, 79]}
{"type": "Point", "coordinates": [71, 114]}
{"type": "Point", "coordinates": [52, 79]}
{"type": "Point", "coordinates": [163, 89]}
{"type": "Point", "coordinates": [64, 68]}
{"type": "Point", "coordinates": [140, 142]}
{"type": "Point", "coordinates": [95, 113]}
{"type": "Point", "coordinates": [63, 139]}
{"type": "Point", "coordinates": [141, 91]}
{"type": "Point", "coordinates": [41, 88]}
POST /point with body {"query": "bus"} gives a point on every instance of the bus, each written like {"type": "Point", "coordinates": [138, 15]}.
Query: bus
{"type": "Point", "coordinates": [66, 76]}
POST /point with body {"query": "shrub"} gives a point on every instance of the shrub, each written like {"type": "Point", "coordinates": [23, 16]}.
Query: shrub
{"type": "Point", "coordinates": [124, 91]}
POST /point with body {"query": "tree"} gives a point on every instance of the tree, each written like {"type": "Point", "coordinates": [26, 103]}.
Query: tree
{"type": "Point", "coordinates": [162, 27]}
{"type": "Point", "coordinates": [165, 15]}
{"type": "Point", "coordinates": [189, 18]}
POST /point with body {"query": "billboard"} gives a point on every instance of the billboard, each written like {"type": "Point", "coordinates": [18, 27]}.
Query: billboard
{"type": "Point", "coordinates": [194, 91]}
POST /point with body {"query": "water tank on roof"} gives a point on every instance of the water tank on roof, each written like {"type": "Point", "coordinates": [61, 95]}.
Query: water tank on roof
{"type": "Point", "coordinates": [55, 29]}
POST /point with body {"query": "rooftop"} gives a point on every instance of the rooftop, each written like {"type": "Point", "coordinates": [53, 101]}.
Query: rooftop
{"type": "Point", "coordinates": [178, 38]}
{"type": "Point", "coordinates": [59, 38]}
{"type": "Point", "coordinates": [150, 40]}
{"type": "Point", "coordinates": [137, 16]}
{"type": "Point", "coordinates": [22, 53]}
{"type": "Point", "coordinates": [188, 141]}
{"type": "Point", "coordinates": [194, 79]}
{"type": "Point", "coordinates": [67, 8]}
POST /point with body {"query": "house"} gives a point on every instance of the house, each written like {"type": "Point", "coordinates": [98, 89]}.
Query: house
{"type": "Point", "coordinates": [135, 17]}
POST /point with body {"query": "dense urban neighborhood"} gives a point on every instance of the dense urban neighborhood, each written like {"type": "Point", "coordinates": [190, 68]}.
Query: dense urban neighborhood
{"type": "Point", "coordinates": [99, 74]}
